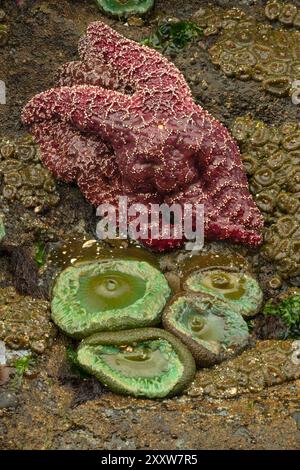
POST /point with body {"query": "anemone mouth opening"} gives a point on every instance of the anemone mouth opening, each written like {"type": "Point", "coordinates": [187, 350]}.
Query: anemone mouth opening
{"type": "Point", "coordinates": [109, 290]}
{"type": "Point", "coordinates": [203, 325]}
{"type": "Point", "coordinates": [145, 360]}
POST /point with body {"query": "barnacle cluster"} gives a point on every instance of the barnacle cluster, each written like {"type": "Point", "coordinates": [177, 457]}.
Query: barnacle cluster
{"type": "Point", "coordinates": [287, 14]}
{"type": "Point", "coordinates": [271, 157]}
{"type": "Point", "coordinates": [287, 307]}
{"type": "Point", "coordinates": [24, 321]}
{"type": "Point", "coordinates": [3, 29]}
{"type": "Point", "coordinates": [269, 363]}
{"type": "Point", "coordinates": [22, 177]}
{"type": "Point", "coordinates": [247, 49]}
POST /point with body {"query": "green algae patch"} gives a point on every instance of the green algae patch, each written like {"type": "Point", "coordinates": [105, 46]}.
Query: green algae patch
{"type": "Point", "coordinates": [286, 13]}
{"type": "Point", "coordinates": [40, 255]}
{"type": "Point", "coordinates": [146, 362]}
{"type": "Point", "coordinates": [171, 36]}
{"type": "Point", "coordinates": [2, 229]}
{"type": "Point", "coordinates": [240, 290]}
{"type": "Point", "coordinates": [209, 327]}
{"type": "Point", "coordinates": [108, 295]}
{"type": "Point", "coordinates": [287, 307]}
{"type": "Point", "coordinates": [125, 8]}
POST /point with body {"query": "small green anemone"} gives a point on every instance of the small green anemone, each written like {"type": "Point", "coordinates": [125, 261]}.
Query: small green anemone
{"type": "Point", "coordinates": [147, 362]}
{"type": "Point", "coordinates": [125, 7]}
{"type": "Point", "coordinates": [240, 290]}
{"type": "Point", "coordinates": [211, 328]}
{"type": "Point", "coordinates": [108, 295]}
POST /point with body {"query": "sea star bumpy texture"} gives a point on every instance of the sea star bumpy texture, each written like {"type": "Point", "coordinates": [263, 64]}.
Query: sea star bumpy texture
{"type": "Point", "coordinates": [123, 122]}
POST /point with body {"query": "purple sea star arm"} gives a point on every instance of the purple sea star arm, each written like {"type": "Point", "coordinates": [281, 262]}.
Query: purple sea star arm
{"type": "Point", "coordinates": [146, 67]}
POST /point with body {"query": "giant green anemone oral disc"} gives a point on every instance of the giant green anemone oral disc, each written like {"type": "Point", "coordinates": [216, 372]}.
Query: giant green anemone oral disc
{"type": "Point", "coordinates": [240, 290]}
{"type": "Point", "coordinates": [108, 295]}
{"type": "Point", "coordinates": [125, 7]}
{"type": "Point", "coordinates": [147, 362]}
{"type": "Point", "coordinates": [211, 328]}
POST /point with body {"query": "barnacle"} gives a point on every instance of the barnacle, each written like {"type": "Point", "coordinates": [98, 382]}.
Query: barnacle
{"type": "Point", "coordinates": [144, 362]}
{"type": "Point", "coordinates": [274, 180]}
{"type": "Point", "coordinates": [125, 7]}
{"type": "Point", "coordinates": [25, 180]}
{"type": "Point", "coordinates": [212, 329]}
{"type": "Point", "coordinates": [108, 295]}
{"type": "Point", "coordinates": [24, 321]}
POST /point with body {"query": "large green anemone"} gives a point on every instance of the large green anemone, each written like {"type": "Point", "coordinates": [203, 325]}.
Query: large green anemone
{"type": "Point", "coordinates": [211, 328]}
{"type": "Point", "coordinates": [239, 290]}
{"type": "Point", "coordinates": [147, 362]}
{"type": "Point", "coordinates": [125, 7]}
{"type": "Point", "coordinates": [108, 295]}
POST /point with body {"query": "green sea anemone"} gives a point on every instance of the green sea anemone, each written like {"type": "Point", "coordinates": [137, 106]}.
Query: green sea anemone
{"type": "Point", "coordinates": [108, 295]}
{"type": "Point", "coordinates": [147, 362]}
{"type": "Point", "coordinates": [240, 290]}
{"type": "Point", "coordinates": [125, 7]}
{"type": "Point", "coordinates": [171, 36]}
{"type": "Point", "coordinates": [211, 328]}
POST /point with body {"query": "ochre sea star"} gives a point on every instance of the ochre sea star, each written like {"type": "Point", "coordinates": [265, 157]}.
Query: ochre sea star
{"type": "Point", "coordinates": [123, 122]}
